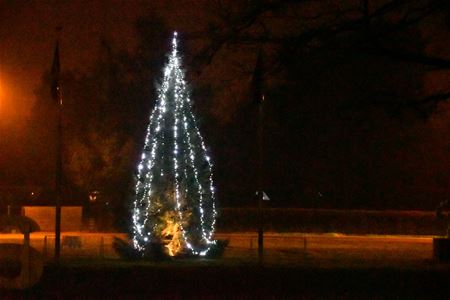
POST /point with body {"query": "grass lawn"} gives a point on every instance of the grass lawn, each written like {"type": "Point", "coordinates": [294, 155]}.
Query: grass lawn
{"type": "Point", "coordinates": [285, 274]}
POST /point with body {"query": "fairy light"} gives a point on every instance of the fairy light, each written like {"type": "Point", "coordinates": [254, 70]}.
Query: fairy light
{"type": "Point", "coordinates": [211, 183]}
{"type": "Point", "coordinates": [187, 151]}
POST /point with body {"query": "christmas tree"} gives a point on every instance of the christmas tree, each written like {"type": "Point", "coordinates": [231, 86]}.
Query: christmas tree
{"type": "Point", "coordinates": [174, 202]}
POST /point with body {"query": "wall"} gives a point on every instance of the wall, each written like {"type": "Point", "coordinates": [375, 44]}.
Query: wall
{"type": "Point", "coordinates": [45, 217]}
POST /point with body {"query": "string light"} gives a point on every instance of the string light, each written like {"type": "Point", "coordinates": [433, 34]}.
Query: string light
{"type": "Point", "coordinates": [173, 133]}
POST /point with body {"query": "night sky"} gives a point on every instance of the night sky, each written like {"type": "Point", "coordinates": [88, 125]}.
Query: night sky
{"type": "Point", "coordinates": [351, 123]}
{"type": "Point", "coordinates": [28, 35]}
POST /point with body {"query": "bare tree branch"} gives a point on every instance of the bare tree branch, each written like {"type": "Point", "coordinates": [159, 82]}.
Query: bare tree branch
{"type": "Point", "coordinates": [444, 96]}
{"type": "Point", "coordinates": [403, 55]}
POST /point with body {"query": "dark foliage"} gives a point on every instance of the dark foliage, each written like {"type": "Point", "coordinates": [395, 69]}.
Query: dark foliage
{"type": "Point", "coordinates": [154, 251]}
{"type": "Point", "coordinates": [352, 117]}
{"type": "Point", "coordinates": [218, 249]}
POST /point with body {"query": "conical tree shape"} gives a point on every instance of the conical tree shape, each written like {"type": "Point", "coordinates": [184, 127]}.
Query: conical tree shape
{"type": "Point", "coordinates": [175, 201]}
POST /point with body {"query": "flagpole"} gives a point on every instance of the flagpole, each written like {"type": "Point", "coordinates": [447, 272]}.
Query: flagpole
{"type": "Point", "coordinates": [56, 90]}
{"type": "Point", "coordinates": [259, 99]}
{"type": "Point", "coordinates": [58, 184]}
{"type": "Point", "coordinates": [261, 180]}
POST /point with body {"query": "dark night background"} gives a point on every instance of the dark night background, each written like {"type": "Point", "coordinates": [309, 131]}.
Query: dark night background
{"type": "Point", "coordinates": [356, 97]}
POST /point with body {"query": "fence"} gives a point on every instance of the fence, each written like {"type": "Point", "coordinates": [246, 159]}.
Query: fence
{"type": "Point", "coordinates": [331, 220]}
{"type": "Point", "coordinates": [76, 244]}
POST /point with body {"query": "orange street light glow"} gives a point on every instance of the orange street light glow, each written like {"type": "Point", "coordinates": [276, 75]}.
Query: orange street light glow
{"type": "Point", "coordinates": [1, 94]}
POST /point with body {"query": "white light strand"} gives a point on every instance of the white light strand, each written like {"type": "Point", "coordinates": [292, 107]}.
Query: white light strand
{"type": "Point", "coordinates": [140, 238]}
{"type": "Point", "coordinates": [195, 173]}
{"type": "Point", "coordinates": [184, 123]}
{"type": "Point", "coordinates": [211, 183]}
{"type": "Point", "coordinates": [207, 237]}
{"type": "Point", "coordinates": [175, 138]}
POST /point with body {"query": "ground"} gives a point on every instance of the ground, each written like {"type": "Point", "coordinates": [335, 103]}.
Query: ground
{"type": "Point", "coordinates": [295, 266]}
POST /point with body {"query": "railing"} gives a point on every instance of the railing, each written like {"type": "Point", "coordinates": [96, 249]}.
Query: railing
{"type": "Point", "coordinates": [73, 244]}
